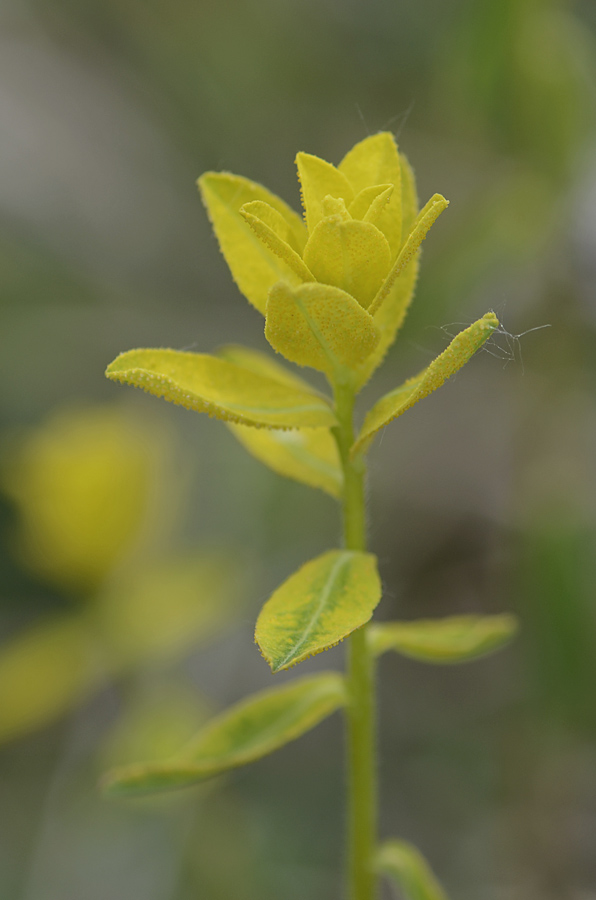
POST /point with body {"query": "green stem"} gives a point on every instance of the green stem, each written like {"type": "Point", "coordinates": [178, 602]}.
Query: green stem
{"type": "Point", "coordinates": [360, 678]}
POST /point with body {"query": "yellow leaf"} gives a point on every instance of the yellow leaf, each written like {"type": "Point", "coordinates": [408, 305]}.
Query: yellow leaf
{"type": "Point", "coordinates": [318, 179]}
{"type": "Point", "coordinates": [280, 225]}
{"type": "Point", "coordinates": [253, 267]}
{"type": "Point", "coordinates": [45, 672]}
{"type": "Point", "coordinates": [369, 201]}
{"type": "Point", "coordinates": [451, 640]}
{"type": "Point", "coordinates": [409, 871]}
{"type": "Point", "coordinates": [248, 731]}
{"type": "Point", "coordinates": [310, 457]}
{"type": "Point", "coordinates": [262, 364]}
{"type": "Point", "coordinates": [409, 196]}
{"type": "Point", "coordinates": [274, 242]}
{"type": "Point", "coordinates": [377, 208]}
{"type": "Point", "coordinates": [318, 606]}
{"type": "Point", "coordinates": [350, 255]}
{"type": "Point", "coordinates": [396, 402]}
{"type": "Point", "coordinates": [220, 388]}
{"type": "Point", "coordinates": [389, 318]}
{"type": "Point", "coordinates": [375, 161]}
{"type": "Point", "coordinates": [320, 326]}
{"type": "Point", "coordinates": [420, 229]}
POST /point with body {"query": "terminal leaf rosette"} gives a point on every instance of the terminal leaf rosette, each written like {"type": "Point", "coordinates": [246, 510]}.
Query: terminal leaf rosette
{"type": "Point", "coordinates": [361, 235]}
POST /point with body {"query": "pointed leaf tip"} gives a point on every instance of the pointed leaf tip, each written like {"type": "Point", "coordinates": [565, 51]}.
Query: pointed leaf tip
{"type": "Point", "coordinates": [254, 268]}
{"type": "Point", "coordinates": [398, 401]}
{"type": "Point", "coordinates": [242, 734]}
{"type": "Point", "coordinates": [274, 242]}
{"type": "Point", "coordinates": [318, 179]}
{"type": "Point", "coordinates": [409, 871]}
{"type": "Point", "coordinates": [318, 606]}
{"type": "Point", "coordinates": [425, 220]}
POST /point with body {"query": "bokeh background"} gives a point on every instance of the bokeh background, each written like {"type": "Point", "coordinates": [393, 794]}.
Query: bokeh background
{"type": "Point", "coordinates": [139, 541]}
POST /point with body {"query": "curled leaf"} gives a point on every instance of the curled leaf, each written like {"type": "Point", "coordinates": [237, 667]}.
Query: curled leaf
{"type": "Point", "coordinates": [369, 201]}
{"type": "Point", "coordinates": [221, 389]}
{"type": "Point", "coordinates": [409, 871]}
{"type": "Point", "coordinates": [271, 239]}
{"type": "Point", "coordinates": [320, 326]}
{"type": "Point", "coordinates": [425, 220]}
{"type": "Point", "coordinates": [282, 226]}
{"type": "Point", "coordinates": [392, 312]}
{"type": "Point", "coordinates": [253, 267]}
{"type": "Point", "coordinates": [398, 401]}
{"type": "Point", "coordinates": [318, 606]}
{"type": "Point", "coordinates": [242, 734]}
{"type": "Point", "coordinates": [454, 639]}
{"type": "Point", "coordinates": [389, 318]}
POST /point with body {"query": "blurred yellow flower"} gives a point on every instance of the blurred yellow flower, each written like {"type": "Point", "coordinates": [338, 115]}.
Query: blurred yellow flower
{"type": "Point", "coordinates": [83, 485]}
{"type": "Point", "coordinates": [92, 486]}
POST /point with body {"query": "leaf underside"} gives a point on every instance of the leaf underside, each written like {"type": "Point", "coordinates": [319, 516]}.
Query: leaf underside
{"type": "Point", "coordinates": [242, 734]}
{"type": "Point", "coordinates": [318, 606]}
{"type": "Point", "coordinates": [309, 456]}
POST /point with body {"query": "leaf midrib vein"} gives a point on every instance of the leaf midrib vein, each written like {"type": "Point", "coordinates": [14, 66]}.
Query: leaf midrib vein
{"type": "Point", "coordinates": [341, 562]}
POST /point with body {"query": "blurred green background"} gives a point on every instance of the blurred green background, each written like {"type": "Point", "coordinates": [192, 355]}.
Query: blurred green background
{"type": "Point", "coordinates": [139, 540]}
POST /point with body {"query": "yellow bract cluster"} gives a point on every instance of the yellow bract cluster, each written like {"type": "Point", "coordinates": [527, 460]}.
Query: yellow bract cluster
{"type": "Point", "coordinates": [334, 288]}
{"type": "Point", "coordinates": [322, 285]}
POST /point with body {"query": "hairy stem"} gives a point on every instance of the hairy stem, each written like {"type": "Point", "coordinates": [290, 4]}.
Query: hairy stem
{"type": "Point", "coordinates": [362, 788]}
